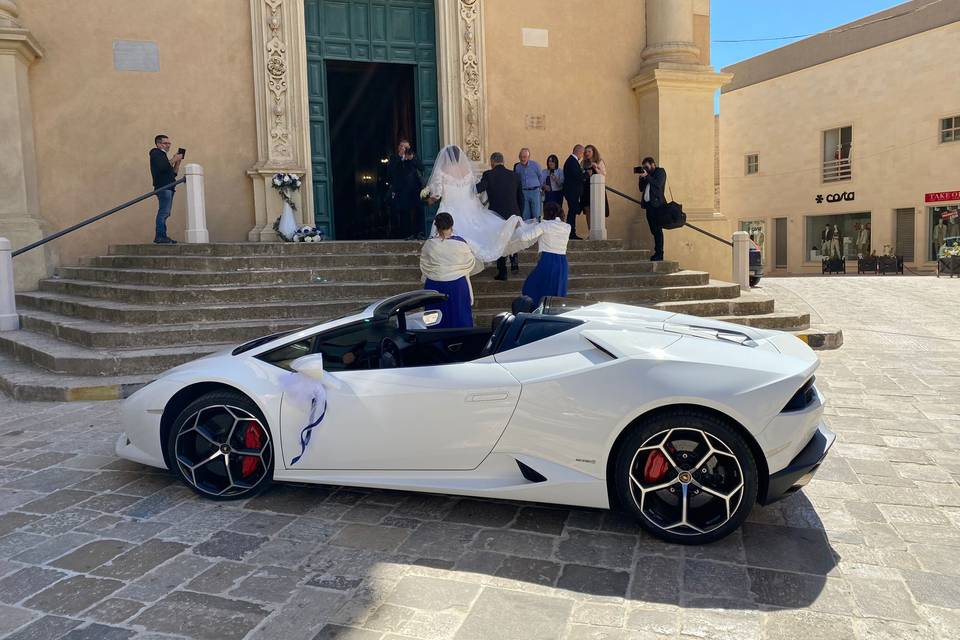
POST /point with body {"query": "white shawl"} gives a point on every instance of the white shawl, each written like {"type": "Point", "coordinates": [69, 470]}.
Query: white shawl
{"type": "Point", "coordinates": [448, 260]}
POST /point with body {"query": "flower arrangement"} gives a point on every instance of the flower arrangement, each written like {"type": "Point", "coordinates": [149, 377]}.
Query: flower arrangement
{"type": "Point", "coordinates": [284, 183]}
{"type": "Point", "coordinates": [425, 194]}
{"type": "Point", "coordinates": [305, 233]}
{"type": "Point", "coordinates": [951, 251]}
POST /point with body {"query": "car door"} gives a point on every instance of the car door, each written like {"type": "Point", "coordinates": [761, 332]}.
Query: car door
{"type": "Point", "coordinates": [443, 417]}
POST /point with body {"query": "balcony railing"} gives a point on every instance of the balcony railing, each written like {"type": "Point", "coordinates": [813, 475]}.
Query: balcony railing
{"type": "Point", "coordinates": [836, 170]}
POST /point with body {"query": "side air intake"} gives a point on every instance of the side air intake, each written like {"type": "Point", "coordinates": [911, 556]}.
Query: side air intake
{"type": "Point", "coordinates": [530, 474]}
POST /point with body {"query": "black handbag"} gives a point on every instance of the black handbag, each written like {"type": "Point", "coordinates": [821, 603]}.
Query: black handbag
{"type": "Point", "coordinates": [672, 215]}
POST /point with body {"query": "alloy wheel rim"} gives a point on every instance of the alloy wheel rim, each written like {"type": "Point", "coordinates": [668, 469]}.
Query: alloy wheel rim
{"type": "Point", "coordinates": [686, 481]}
{"type": "Point", "coordinates": [223, 450]}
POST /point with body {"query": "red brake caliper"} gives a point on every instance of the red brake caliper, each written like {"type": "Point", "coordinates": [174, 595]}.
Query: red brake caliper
{"type": "Point", "coordinates": [656, 467]}
{"type": "Point", "coordinates": [252, 439]}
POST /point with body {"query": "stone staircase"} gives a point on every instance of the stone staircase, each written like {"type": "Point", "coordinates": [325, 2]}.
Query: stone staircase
{"type": "Point", "coordinates": [102, 329]}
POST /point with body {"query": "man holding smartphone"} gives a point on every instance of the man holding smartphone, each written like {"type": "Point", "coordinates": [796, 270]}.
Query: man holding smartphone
{"type": "Point", "coordinates": [164, 171]}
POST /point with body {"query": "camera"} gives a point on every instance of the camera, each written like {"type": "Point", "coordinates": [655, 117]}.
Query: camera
{"type": "Point", "coordinates": [639, 170]}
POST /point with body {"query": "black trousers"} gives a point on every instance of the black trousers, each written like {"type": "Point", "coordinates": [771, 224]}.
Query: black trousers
{"type": "Point", "coordinates": [502, 264]}
{"type": "Point", "coordinates": [653, 220]}
{"type": "Point", "coordinates": [573, 208]}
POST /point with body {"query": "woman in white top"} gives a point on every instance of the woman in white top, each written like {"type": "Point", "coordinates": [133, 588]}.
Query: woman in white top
{"type": "Point", "coordinates": [549, 277]}
{"type": "Point", "coordinates": [447, 262]}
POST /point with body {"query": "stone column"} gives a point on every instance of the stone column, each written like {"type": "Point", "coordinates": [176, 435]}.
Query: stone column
{"type": "Point", "coordinates": [280, 82]}
{"type": "Point", "coordinates": [675, 94]}
{"type": "Point", "coordinates": [20, 219]}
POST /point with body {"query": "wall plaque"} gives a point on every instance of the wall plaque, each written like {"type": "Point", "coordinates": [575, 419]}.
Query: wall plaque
{"type": "Point", "coordinates": [132, 55]}
{"type": "Point", "coordinates": [535, 37]}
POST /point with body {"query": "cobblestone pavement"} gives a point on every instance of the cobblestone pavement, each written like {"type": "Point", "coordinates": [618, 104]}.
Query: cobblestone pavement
{"type": "Point", "coordinates": [95, 547]}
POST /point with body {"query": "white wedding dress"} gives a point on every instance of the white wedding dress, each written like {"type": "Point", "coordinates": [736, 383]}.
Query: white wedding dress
{"type": "Point", "coordinates": [489, 235]}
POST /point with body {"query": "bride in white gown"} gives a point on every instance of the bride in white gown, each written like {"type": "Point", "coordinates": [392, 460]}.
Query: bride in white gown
{"type": "Point", "coordinates": [489, 235]}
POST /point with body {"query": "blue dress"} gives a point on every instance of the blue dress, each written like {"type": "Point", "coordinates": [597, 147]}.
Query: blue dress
{"type": "Point", "coordinates": [548, 278]}
{"type": "Point", "coordinates": [456, 308]}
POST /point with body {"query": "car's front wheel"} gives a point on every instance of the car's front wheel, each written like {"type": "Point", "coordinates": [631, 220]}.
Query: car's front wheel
{"type": "Point", "coordinates": [221, 448]}
{"type": "Point", "coordinates": [687, 476]}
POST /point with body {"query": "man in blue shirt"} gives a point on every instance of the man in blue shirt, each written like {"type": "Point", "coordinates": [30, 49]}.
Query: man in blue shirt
{"type": "Point", "coordinates": [531, 181]}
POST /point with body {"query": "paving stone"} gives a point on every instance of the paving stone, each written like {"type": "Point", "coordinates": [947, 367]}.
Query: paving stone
{"type": "Point", "coordinates": [56, 501]}
{"type": "Point", "coordinates": [145, 486]}
{"type": "Point", "coordinates": [483, 562]}
{"type": "Point", "coordinates": [61, 522]}
{"type": "Point", "coordinates": [287, 499]}
{"type": "Point", "coordinates": [783, 589]}
{"type": "Point", "coordinates": [806, 625]}
{"type": "Point", "coordinates": [933, 589]}
{"type": "Point", "coordinates": [423, 506]}
{"type": "Point", "coordinates": [367, 513]}
{"type": "Point", "coordinates": [540, 520]}
{"type": "Point", "coordinates": [594, 548]}
{"type": "Point", "coordinates": [337, 583]}
{"type": "Point", "coordinates": [887, 599]}
{"type": "Point", "coordinates": [106, 481]}
{"type": "Point", "coordinates": [715, 579]}
{"type": "Point", "coordinates": [433, 594]}
{"type": "Point", "coordinates": [269, 584]}
{"type": "Point", "coordinates": [43, 460]}
{"type": "Point", "coordinates": [108, 502]}
{"type": "Point", "coordinates": [594, 581]}
{"type": "Point", "coordinates": [49, 480]}
{"type": "Point", "coordinates": [156, 503]}
{"type": "Point", "coordinates": [363, 536]}
{"type": "Point", "coordinates": [599, 614]}
{"type": "Point", "coordinates": [14, 520]}
{"type": "Point", "coordinates": [11, 618]}
{"type": "Point", "coordinates": [229, 545]}
{"type": "Point", "coordinates": [73, 595]}
{"type": "Point", "coordinates": [657, 579]}
{"type": "Point", "coordinates": [19, 542]}
{"type": "Point", "coordinates": [712, 624]}
{"type": "Point", "coordinates": [499, 613]}
{"type": "Point", "coordinates": [140, 559]}
{"type": "Point", "coordinates": [165, 578]}
{"type": "Point", "coordinates": [439, 540]}
{"type": "Point", "coordinates": [516, 543]}
{"type": "Point", "coordinates": [282, 552]}
{"type": "Point", "coordinates": [201, 616]}
{"type": "Point", "coordinates": [261, 524]}
{"type": "Point", "coordinates": [388, 617]}
{"type": "Point", "coordinates": [90, 556]}
{"type": "Point", "coordinates": [220, 577]}
{"type": "Point", "coordinates": [787, 549]}
{"type": "Point", "coordinates": [136, 531]}
{"type": "Point", "coordinates": [45, 628]}
{"type": "Point", "coordinates": [662, 622]}
{"type": "Point", "coordinates": [311, 530]}
{"type": "Point", "coordinates": [53, 548]}
{"type": "Point", "coordinates": [542, 572]}
{"type": "Point", "coordinates": [27, 582]}
{"type": "Point", "coordinates": [339, 632]}
{"type": "Point", "coordinates": [482, 513]}
{"type": "Point", "coordinates": [302, 617]}
{"type": "Point", "coordinates": [114, 610]}
{"type": "Point", "coordinates": [100, 632]}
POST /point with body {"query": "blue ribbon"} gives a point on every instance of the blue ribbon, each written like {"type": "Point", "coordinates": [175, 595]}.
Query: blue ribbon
{"type": "Point", "coordinates": [308, 430]}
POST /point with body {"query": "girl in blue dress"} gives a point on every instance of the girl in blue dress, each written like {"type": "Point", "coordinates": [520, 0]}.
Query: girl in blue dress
{"type": "Point", "coordinates": [447, 262]}
{"type": "Point", "coordinates": [549, 277]}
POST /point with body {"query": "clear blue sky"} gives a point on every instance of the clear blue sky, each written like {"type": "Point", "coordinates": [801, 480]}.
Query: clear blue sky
{"type": "Point", "coordinates": [746, 19]}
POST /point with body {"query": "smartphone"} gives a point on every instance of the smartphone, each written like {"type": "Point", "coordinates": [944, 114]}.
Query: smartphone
{"type": "Point", "coordinates": [182, 152]}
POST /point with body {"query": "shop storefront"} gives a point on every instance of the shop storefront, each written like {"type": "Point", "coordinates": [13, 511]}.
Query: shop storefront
{"type": "Point", "coordinates": [943, 221]}
{"type": "Point", "coordinates": [841, 235]}
{"type": "Point", "coordinates": [758, 233]}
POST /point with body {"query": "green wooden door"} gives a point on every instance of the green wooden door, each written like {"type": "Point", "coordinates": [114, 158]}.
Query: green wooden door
{"type": "Point", "coordinates": [394, 31]}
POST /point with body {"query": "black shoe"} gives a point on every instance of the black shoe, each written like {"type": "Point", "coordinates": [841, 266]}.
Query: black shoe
{"type": "Point", "coordinates": [500, 276]}
{"type": "Point", "coordinates": [164, 240]}
{"type": "Point", "coordinates": [575, 237]}
{"type": "Point", "coordinates": [514, 268]}
{"type": "Point", "coordinates": [657, 257]}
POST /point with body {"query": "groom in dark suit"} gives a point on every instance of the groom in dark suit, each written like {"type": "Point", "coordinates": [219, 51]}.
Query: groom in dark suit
{"type": "Point", "coordinates": [573, 188]}
{"type": "Point", "coordinates": [505, 198]}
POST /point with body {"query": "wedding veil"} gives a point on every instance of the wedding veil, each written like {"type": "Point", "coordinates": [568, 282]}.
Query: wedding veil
{"type": "Point", "coordinates": [452, 164]}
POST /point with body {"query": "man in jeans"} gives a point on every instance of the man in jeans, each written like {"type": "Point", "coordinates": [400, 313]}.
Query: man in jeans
{"type": "Point", "coordinates": [531, 181]}
{"type": "Point", "coordinates": [164, 171]}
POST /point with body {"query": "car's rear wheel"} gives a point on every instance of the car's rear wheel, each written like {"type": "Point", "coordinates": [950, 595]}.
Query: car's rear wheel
{"type": "Point", "coordinates": [220, 446]}
{"type": "Point", "coordinates": [687, 476]}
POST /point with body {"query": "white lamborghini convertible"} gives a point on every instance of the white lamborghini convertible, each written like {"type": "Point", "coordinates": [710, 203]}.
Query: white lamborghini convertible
{"type": "Point", "coordinates": [682, 421]}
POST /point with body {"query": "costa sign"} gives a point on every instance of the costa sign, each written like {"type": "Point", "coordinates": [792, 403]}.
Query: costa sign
{"type": "Point", "coordinates": [942, 196]}
{"type": "Point", "coordinates": [846, 196]}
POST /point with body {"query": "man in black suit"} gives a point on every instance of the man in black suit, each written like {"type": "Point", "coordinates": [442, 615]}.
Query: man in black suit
{"type": "Point", "coordinates": [652, 181]}
{"type": "Point", "coordinates": [573, 188]}
{"type": "Point", "coordinates": [505, 198]}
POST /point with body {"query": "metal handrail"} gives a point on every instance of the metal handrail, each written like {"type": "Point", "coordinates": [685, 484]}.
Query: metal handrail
{"type": "Point", "coordinates": [126, 204]}
{"type": "Point", "coordinates": [686, 224]}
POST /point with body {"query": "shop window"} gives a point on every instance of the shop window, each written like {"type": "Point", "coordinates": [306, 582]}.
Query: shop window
{"type": "Point", "coordinates": [950, 129]}
{"type": "Point", "coordinates": [846, 235]}
{"type": "Point", "coordinates": [837, 145]}
{"type": "Point", "coordinates": [753, 164]}
{"type": "Point", "coordinates": [944, 228]}
{"type": "Point", "coordinates": [758, 232]}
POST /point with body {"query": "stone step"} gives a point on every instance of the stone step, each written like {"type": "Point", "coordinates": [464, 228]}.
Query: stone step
{"type": "Point", "coordinates": [48, 353]}
{"type": "Point", "coordinates": [30, 384]}
{"type": "Point", "coordinates": [643, 296]}
{"type": "Point", "coordinates": [177, 262]}
{"type": "Point", "coordinates": [107, 335]}
{"type": "Point", "coordinates": [779, 321]}
{"type": "Point", "coordinates": [329, 291]}
{"type": "Point", "coordinates": [411, 273]}
{"type": "Point", "coordinates": [754, 305]}
{"type": "Point", "coordinates": [310, 248]}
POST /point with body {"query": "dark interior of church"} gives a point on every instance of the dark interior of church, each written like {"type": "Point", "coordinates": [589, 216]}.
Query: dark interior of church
{"type": "Point", "coordinates": [371, 106]}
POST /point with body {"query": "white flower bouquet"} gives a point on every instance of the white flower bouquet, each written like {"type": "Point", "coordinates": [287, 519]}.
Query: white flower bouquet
{"type": "Point", "coordinates": [425, 194]}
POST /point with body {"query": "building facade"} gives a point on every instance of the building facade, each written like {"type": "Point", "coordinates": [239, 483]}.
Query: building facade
{"type": "Point", "coordinates": [323, 88]}
{"type": "Point", "coordinates": [848, 143]}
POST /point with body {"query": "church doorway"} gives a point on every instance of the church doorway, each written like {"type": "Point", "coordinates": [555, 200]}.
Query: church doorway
{"type": "Point", "coordinates": [371, 78]}
{"type": "Point", "coordinates": [372, 106]}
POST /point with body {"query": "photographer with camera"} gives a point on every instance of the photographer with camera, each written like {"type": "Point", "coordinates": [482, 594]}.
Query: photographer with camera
{"type": "Point", "coordinates": [653, 179]}
{"type": "Point", "coordinates": [164, 171]}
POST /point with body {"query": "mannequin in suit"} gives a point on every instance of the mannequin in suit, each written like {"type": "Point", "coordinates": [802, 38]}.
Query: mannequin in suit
{"type": "Point", "coordinates": [835, 242]}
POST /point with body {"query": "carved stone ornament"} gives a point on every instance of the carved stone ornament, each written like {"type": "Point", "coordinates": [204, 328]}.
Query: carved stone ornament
{"type": "Point", "coordinates": [471, 80]}
{"type": "Point", "coordinates": [276, 65]}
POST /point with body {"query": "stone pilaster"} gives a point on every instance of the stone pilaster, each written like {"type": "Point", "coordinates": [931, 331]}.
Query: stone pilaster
{"type": "Point", "coordinates": [280, 82]}
{"type": "Point", "coordinates": [20, 219]}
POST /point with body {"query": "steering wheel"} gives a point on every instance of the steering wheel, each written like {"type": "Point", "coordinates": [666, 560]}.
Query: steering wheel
{"type": "Point", "coordinates": [390, 357]}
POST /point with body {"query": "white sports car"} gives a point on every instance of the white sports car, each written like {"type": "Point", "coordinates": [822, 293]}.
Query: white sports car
{"type": "Point", "coordinates": [682, 421]}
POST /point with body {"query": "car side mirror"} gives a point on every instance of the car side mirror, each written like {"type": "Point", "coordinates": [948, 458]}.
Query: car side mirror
{"type": "Point", "coordinates": [310, 366]}
{"type": "Point", "coordinates": [424, 319]}
{"type": "Point", "coordinates": [432, 317]}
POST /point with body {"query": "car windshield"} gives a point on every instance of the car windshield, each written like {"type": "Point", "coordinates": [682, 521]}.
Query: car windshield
{"type": "Point", "coordinates": [554, 306]}
{"type": "Point", "coordinates": [256, 342]}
